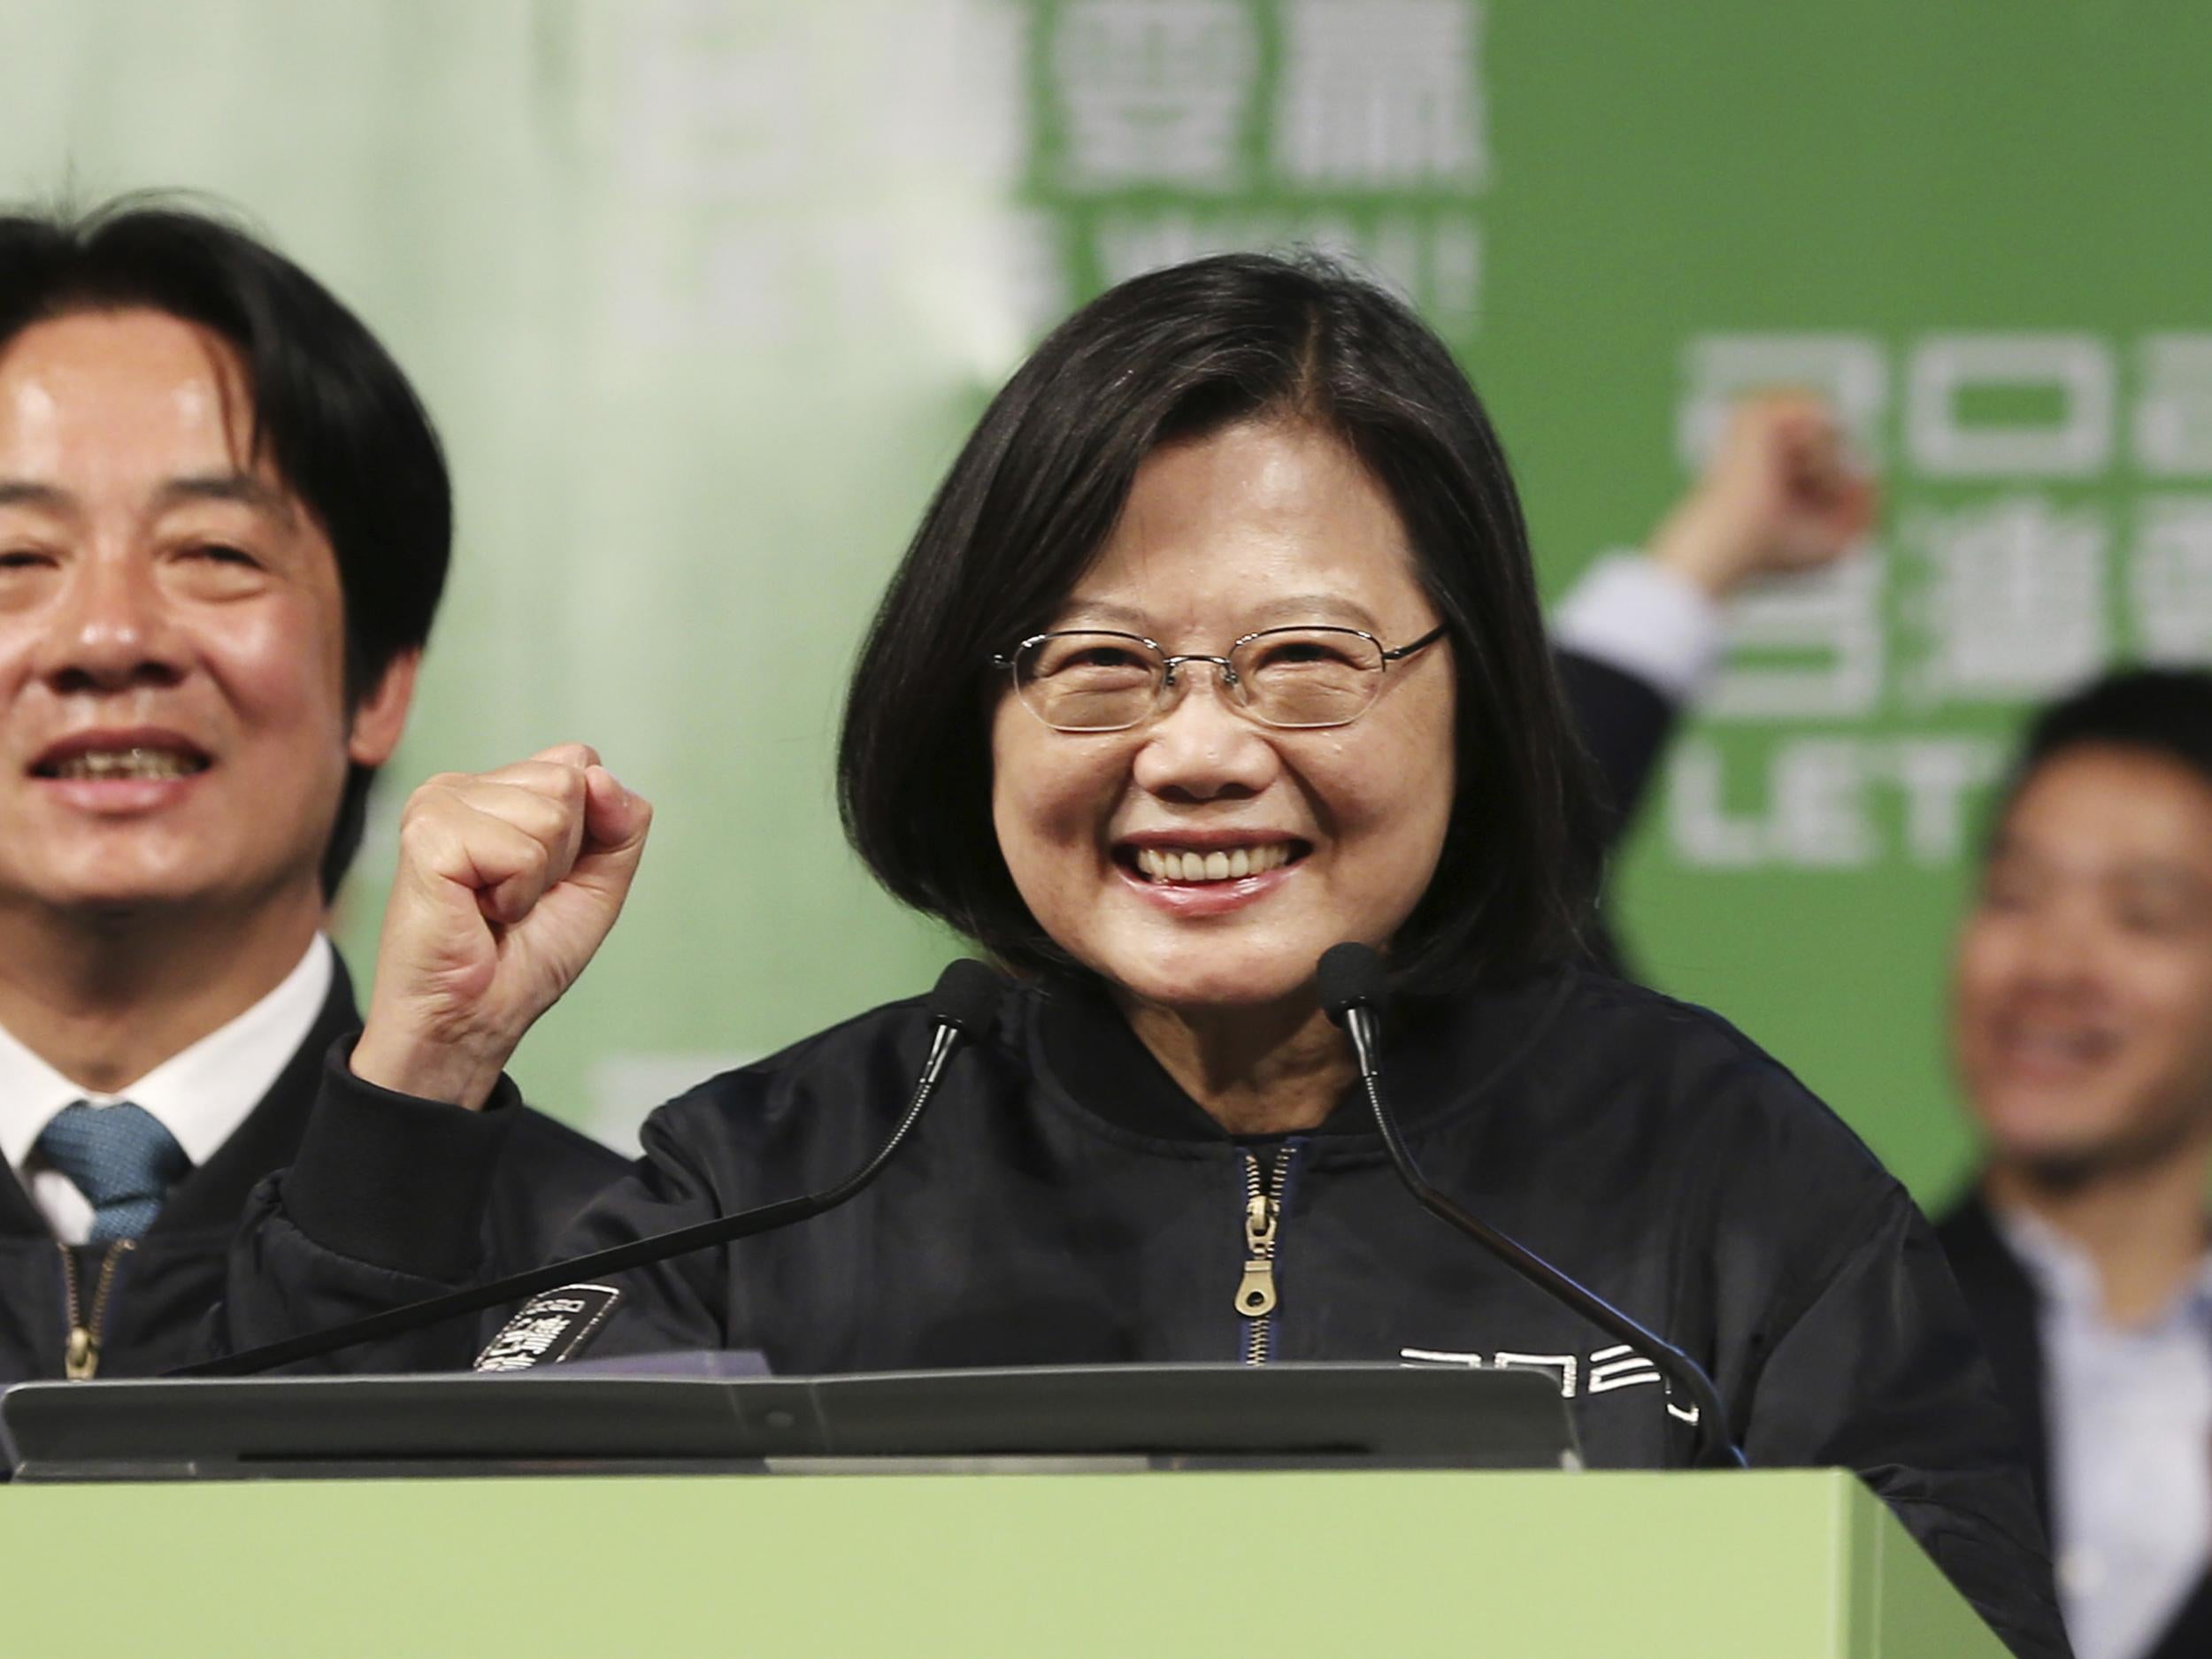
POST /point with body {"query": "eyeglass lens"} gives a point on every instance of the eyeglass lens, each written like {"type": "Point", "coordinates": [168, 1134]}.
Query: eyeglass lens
{"type": "Point", "coordinates": [1287, 677]}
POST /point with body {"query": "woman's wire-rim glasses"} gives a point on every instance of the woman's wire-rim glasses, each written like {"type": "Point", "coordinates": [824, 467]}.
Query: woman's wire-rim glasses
{"type": "Point", "coordinates": [1321, 675]}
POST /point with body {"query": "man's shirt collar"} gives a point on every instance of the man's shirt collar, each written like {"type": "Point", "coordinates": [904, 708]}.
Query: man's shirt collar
{"type": "Point", "coordinates": [201, 1094]}
{"type": "Point", "coordinates": [2066, 1275]}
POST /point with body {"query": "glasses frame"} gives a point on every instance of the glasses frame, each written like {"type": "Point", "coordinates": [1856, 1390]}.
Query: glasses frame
{"type": "Point", "coordinates": [1170, 660]}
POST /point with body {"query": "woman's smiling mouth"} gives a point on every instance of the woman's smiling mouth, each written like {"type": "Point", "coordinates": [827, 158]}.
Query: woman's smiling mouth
{"type": "Point", "coordinates": [1208, 872]}
{"type": "Point", "coordinates": [1190, 864]}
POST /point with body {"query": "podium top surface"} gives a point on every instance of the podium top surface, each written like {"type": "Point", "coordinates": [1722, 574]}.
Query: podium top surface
{"type": "Point", "coordinates": [1297, 1414]}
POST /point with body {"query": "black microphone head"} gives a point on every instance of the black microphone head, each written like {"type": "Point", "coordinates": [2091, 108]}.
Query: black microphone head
{"type": "Point", "coordinates": [1350, 976]}
{"type": "Point", "coordinates": [967, 996]}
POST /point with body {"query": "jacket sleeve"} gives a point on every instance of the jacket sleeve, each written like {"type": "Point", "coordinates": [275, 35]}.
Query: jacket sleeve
{"type": "Point", "coordinates": [1879, 1373]}
{"type": "Point", "coordinates": [1624, 724]}
{"type": "Point", "coordinates": [384, 1206]}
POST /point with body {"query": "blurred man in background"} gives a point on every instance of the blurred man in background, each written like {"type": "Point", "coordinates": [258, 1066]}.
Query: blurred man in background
{"type": "Point", "coordinates": [224, 528]}
{"type": "Point", "coordinates": [2081, 1022]}
{"type": "Point", "coordinates": [2082, 1027]}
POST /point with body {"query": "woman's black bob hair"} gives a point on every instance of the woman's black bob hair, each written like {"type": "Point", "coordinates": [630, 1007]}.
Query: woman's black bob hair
{"type": "Point", "coordinates": [331, 410]}
{"type": "Point", "coordinates": [1175, 355]}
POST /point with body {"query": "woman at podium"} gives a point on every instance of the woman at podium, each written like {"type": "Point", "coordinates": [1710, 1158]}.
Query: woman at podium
{"type": "Point", "coordinates": [1217, 647]}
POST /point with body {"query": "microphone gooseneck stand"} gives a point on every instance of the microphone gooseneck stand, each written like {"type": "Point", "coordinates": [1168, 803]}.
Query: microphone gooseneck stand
{"type": "Point", "coordinates": [1351, 984]}
{"type": "Point", "coordinates": [963, 1005]}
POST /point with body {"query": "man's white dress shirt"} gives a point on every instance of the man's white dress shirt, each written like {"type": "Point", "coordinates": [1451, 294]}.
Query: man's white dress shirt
{"type": "Point", "coordinates": [200, 1094]}
{"type": "Point", "coordinates": [2129, 1419]}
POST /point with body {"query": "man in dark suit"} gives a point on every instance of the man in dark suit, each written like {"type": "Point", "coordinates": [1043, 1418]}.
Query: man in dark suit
{"type": "Point", "coordinates": [224, 528]}
{"type": "Point", "coordinates": [2082, 1029]}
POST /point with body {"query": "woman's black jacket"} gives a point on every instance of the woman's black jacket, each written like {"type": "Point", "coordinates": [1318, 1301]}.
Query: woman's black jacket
{"type": "Point", "coordinates": [1065, 1202]}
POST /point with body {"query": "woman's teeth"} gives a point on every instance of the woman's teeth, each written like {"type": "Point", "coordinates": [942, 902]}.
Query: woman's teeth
{"type": "Point", "coordinates": [1162, 864]}
{"type": "Point", "coordinates": [126, 763]}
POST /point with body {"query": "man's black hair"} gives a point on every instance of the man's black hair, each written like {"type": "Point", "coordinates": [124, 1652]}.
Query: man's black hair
{"type": "Point", "coordinates": [331, 410]}
{"type": "Point", "coordinates": [1036, 492]}
{"type": "Point", "coordinates": [2162, 712]}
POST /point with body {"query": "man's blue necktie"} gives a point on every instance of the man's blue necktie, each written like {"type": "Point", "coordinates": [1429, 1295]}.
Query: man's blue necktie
{"type": "Point", "coordinates": [120, 1158]}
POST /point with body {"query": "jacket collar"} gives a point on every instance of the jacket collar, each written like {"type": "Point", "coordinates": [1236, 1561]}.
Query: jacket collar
{"type": "Point", "coordinates": [1436, 1059]}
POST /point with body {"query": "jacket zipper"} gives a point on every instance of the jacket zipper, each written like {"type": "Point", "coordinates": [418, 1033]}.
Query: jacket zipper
{"type": "Point", "coordinates": [81, 1361]}
{"type": "Point", "coordinates": [1263, 1215]}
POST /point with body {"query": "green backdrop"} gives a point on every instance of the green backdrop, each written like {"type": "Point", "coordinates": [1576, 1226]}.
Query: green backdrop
{"type": "Point", "coordinates": [704, 295]}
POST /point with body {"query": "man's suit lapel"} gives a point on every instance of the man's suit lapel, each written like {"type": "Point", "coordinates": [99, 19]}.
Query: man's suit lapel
{"type": "Point", "coordinates": [2190, 1635]}
{"type": "Point", "coordinates": [19, 1215]}
{"type": "Point", "coordinates": [214, 1195]}
{"type": "Point", "coordinates": [2003, 1301]}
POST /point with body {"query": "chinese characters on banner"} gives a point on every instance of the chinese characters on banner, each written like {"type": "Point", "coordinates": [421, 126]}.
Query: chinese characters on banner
{"type": "Point", "coordinates": [811, 179]}
{"type": "Point", "coordinates": [2049, 511]}
{"type": "Point", "coordinates": [1062, 144]}
{"type": "Point", "coordinates": [1166, 129]}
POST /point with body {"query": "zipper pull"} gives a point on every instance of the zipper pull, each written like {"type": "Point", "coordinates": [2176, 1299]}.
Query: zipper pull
{"type": "Point", "coordinates": [84, 1357]}
{"type": "Point", "coordinates": [1255, 1291]}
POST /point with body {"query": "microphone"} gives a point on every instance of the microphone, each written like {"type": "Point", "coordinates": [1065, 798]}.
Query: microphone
{"type": "Point", "coordinates": [963, 1008]}
{"type": "Point", "coordinates": [1351, 978]}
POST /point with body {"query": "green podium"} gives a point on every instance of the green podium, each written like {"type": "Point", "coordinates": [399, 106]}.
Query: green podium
{"type": "Point", "coordinates": [1788, 1564]}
